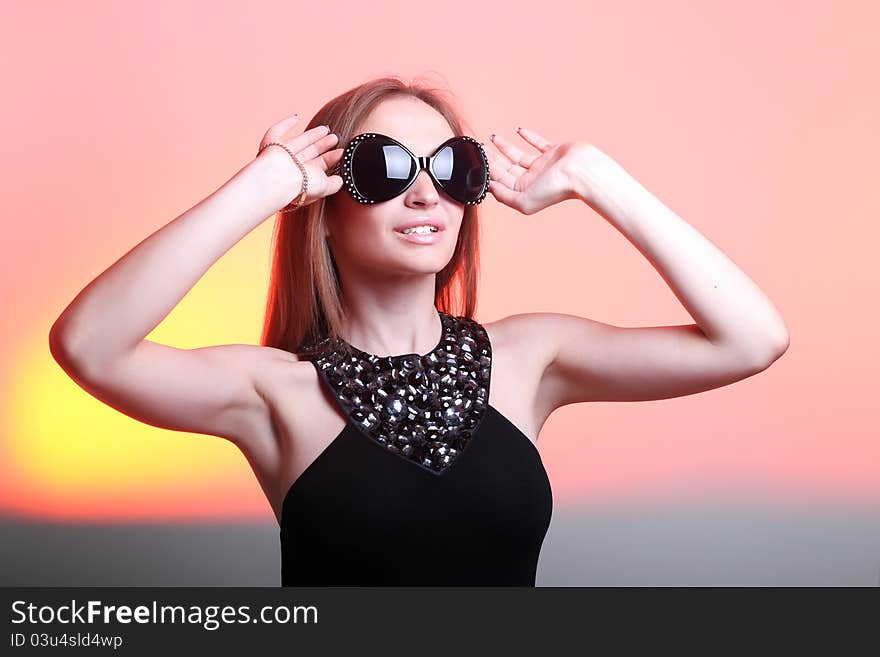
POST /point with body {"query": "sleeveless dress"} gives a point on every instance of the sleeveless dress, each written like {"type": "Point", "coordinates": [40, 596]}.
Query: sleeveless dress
{"type": "Point", "coordinates": [426, 485]}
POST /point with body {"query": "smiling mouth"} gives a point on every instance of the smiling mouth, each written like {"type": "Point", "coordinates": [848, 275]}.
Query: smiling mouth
{"type": "Point", "coordinates": [419, 231]}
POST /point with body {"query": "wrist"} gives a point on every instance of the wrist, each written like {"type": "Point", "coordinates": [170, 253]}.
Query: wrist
{"type": "Point", "coordinates": [281, 177]}
{"type": "Point", "coordinates": [589, 171]}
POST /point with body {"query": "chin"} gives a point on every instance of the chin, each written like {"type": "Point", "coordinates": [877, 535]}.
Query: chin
{"type": "Point", "coordinates": [418, 264]}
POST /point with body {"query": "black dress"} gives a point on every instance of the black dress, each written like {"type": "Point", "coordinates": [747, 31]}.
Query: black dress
{"type": "Point", "coordinates": [426, 485]}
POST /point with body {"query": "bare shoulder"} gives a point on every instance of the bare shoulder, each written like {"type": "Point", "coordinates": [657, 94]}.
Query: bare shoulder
{"type": "Point", "coordinates": [529, 335]}
{"type": "Point", "coordinates": [274, 374]}
{"type": "Point", "coordinates": [273, 369]}
{"type": "Point", "coordinates": [523, 348]}
{"type": "Point", "coordinates": [277, 377]}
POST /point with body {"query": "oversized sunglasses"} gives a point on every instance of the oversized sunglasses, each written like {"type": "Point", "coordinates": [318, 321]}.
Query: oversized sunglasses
{"type": "Point", "coordinates": [377, 168]}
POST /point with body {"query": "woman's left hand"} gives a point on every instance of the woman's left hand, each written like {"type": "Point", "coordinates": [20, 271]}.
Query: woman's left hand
{"type": "Point", "coordinates": [531, 182]}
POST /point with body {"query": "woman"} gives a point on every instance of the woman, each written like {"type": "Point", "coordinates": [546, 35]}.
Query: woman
{"type": "Point", "coordinates": [366, 412]}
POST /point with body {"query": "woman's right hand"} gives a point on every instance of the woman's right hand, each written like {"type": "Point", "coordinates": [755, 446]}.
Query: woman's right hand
{"type": "Point", "coordinates": [311, 148]}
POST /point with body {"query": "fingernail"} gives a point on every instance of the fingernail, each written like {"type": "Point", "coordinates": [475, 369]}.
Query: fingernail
{"type": "Point", "coordinates": [517, 128]}
{"type": "Point", "coordinates": [492, 136]}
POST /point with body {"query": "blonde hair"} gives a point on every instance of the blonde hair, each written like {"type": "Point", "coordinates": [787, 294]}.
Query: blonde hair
{"type": "Point", "coordinates": [303, 305]}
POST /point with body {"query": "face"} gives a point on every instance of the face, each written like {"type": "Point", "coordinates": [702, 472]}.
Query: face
{"type": "Point", "coordinates": [364, 236]}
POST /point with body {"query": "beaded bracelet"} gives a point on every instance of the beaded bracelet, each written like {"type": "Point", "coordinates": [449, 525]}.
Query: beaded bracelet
{"type": "Point", "coordinates": [297, 202]}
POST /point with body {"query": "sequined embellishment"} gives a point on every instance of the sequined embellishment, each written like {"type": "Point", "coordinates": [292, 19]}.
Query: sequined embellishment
{"type": "Point", "coordinates": [424, 408]}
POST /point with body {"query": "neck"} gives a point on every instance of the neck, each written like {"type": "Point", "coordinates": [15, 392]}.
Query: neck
{"type": "Point", "coordinates": [392, 320]}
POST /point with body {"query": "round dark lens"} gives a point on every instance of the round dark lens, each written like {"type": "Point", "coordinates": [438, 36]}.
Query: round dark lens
{"type": "Point", "coordinates": [460, 169]}
{"type": "Point", "coordinates": [380, 169]}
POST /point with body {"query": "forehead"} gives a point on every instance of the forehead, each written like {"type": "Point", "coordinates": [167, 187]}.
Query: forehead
{"type": "Point", "coordinates": [412, 122]}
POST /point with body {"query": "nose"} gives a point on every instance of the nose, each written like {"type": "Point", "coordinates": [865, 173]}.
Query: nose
{"type": "Point", "coordinates": [422, 192]}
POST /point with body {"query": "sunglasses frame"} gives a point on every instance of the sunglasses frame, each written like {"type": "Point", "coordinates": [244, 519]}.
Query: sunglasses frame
{"type": "Point", "coordinates": [421, 163]}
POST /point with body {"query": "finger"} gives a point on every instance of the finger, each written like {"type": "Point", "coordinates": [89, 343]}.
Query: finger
{"type": "Point", "coordinates": [534, 139]}
{"type": "Point", "coordinates": [501, 168]}
{"type": "Point", "coordinates": [497, 164]}
{"type": "Point", "coordinates": [512, 153]}
{"type": "Point", "coordinates": [330, 159]}
{"type": "Point", "coordinates": [325, 142]}
{"type": "Point", "coordinates": [287, 121]}
{"type": "Point", "coordinates": [279, 129]}
{"type": "Point", "coordinates": [313, 134]}
{"type": "Point", "coordinates": [317, 148]}
{"type": "Point", "coordinates": [335, 185]}
{"type": "Point", "coordinates": [502, 193]}
{"type": "Point", "coordinates": [307, 145]}
{"type": "Point", "coordinates": [509, 176]}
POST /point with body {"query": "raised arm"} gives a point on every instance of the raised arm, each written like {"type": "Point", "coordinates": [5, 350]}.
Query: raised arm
{"type": "Point", "coordinates": [737, 330]}
{"type": "Point", "coordinates": [99, 339]}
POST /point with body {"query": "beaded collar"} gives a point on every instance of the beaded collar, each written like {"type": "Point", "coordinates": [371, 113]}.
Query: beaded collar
{"type": "Point", "coordinates": [423, 408]}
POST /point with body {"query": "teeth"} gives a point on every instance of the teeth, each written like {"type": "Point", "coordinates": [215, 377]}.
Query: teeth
{"type": "Point", "coordinates": [420, 229]}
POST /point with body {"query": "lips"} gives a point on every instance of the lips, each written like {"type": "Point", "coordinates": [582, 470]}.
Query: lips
{"type": "Point", "coordinates": [420, 221]}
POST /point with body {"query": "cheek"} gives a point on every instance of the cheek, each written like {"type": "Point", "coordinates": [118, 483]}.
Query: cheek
{"type": "Point", "coordinates": [362, 230]}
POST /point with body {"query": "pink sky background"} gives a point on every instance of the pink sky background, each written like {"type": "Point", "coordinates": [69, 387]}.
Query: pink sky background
{"type": "Point", "coordinates": [756, 122]}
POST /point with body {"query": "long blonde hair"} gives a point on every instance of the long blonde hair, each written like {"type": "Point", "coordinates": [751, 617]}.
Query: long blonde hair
{"type": "Point", "coordinates": [304, 305]}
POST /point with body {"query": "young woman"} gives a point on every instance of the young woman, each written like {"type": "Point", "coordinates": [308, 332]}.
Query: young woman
{"type": "Point", "coordinates": [393, 434]}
